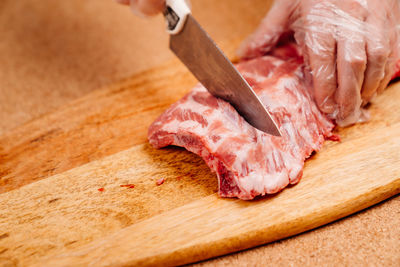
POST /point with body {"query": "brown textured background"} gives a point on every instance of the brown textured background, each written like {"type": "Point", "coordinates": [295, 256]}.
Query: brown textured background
{"type": "Point", "coordinates": [52, 52]}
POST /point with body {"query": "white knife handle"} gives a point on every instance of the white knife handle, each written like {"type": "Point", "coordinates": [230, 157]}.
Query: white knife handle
{"type": "Point", "coordinates": [175, 13]}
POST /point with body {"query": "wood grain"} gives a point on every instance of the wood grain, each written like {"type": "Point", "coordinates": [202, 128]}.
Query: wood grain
{"type": "Point", "coordinates": [104, 122]}
{"type": "Point", "coordinates": [54, 52]}
{"type": "Point", "coordinates": [70, 48]}
{"type": "Point", "coordinates": [65, 212]}
{"type": "Point", "coordinates": [95, 126]}
{"type": "Point", "coordinates": [197, 229]}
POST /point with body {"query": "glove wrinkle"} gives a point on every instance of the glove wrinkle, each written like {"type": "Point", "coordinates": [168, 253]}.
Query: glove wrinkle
{"type": "Point", "coordinates": [349, 47]}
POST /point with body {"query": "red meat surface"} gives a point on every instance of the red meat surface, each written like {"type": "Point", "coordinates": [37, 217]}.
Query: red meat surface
{"type": "Point", "coordinates": [396, 70]}
{"type": "Point", "coordinates": [249, 162]}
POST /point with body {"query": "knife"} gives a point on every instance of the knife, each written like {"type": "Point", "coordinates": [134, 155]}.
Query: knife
{"type": "Point", "coordinates": [192, 45]}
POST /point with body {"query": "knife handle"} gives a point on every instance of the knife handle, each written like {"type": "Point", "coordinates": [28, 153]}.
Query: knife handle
{"type": "Point", "coordinates": [175, 13]}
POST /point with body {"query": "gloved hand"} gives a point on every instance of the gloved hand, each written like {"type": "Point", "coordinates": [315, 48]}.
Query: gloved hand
{"type": "Point", "coordinates": [144, 7]}
{"type": "Point", "coordinates": [350, 48]}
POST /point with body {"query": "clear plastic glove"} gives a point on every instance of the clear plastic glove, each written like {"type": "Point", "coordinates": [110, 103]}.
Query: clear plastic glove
{"type": "Point", "coordinates": [350, 48]}
{"type": "Point", "coordinates": [144, 7]}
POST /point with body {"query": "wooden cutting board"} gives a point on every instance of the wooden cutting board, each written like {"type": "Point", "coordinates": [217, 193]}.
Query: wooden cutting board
{"type": "Point", "coordinates": [61, 218]}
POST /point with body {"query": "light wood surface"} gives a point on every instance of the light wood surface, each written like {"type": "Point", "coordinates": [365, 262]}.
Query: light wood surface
{"type": "Point", "coordinates": [56, 51]}
{"type": "Point", "coordinates": [99, 141]}
{"type": "Point", "coordinates": [213, 226]}
{"type": "Point", "coordinates": [182, 220]}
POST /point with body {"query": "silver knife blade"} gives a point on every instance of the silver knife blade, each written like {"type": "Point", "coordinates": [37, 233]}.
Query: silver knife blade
{"type": "Point", "coordinates": [213, 69]}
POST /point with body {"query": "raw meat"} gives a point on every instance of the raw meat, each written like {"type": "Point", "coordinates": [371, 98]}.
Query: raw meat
{"type": "Point", "coordinates": [396, 70]}
{"type": "Point", "coordinates": [247, 161]}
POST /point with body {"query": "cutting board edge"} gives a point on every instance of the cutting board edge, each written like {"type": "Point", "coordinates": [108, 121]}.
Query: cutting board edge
{"type": "Point", "coordinates": [196, 253]}
{"type": "Point", "coordinates": [326, 216]}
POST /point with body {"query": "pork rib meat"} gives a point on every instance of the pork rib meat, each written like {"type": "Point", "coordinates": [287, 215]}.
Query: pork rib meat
{"type": "Point", "coordinates": [247, 161]}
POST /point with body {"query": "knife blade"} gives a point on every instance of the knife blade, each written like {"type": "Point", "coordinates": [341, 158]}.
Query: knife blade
{"type": "Point", "coordinates": [194, 47]}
